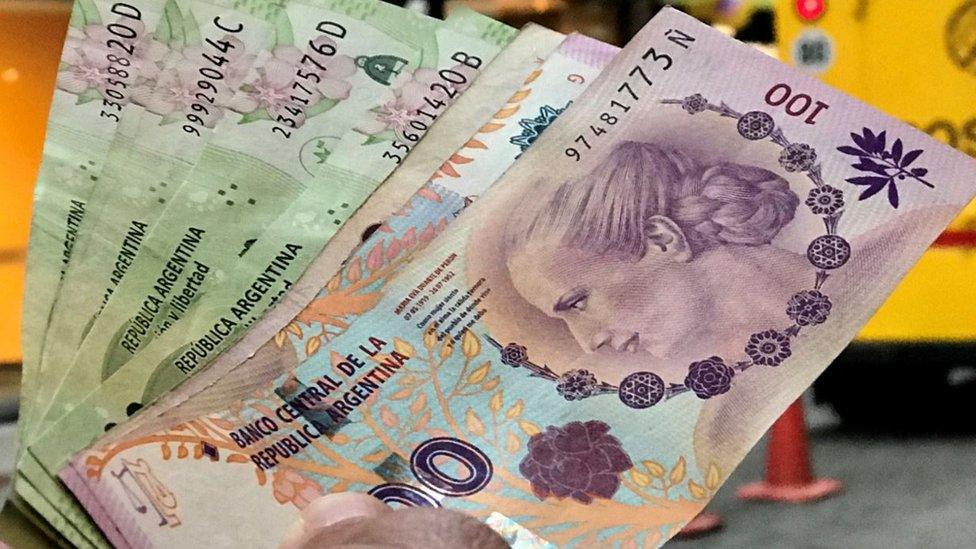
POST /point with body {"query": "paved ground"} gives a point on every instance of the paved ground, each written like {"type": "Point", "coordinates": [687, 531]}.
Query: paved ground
{"type": "Point", "coordinates": [900, 492]}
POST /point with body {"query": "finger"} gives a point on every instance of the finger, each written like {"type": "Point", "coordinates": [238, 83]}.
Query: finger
{"type": "Point", "coordinates": [328, 510]}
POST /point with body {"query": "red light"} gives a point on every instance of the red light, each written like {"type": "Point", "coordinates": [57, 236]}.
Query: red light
{"type": "Point", "coordinates": [811, 10]}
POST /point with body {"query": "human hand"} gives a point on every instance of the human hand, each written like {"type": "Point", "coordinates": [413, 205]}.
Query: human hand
{"type": "Point", "coordinates": [352, 519]}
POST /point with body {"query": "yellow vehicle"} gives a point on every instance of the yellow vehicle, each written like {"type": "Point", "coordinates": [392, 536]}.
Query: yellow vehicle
{"type": "Point", "coordinates": [917, 61]}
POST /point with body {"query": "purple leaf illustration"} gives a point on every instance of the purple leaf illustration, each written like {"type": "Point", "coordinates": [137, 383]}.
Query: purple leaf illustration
{"type": "Point", "coordinates": [893, 195]}
{"type": "Point", "coordinates": [868, 165]}
{"type": "Point", "coordinates": [873, 190]}
{"type": "Point", "coordinates": [851, 151]}
{"type": "Point", "coordinates": [896, 151]}
{"type": "Point", "coordinates": [888, 166]}
{"type": "Point", "coordinates": [910, 157]}
{"type": "Point", "coordinates": [868, 180]}
{"type": "Point", "coordinates": [862, 141]}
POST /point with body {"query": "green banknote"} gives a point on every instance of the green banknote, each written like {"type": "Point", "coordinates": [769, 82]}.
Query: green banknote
{"type": "Point", "coordinates": [102, 60]}
{"type": "Point", "coordinates": [108, 50]}
{"type": "Point", "coordinates": [160, 138]}
{"type": "Point", "coordinates": [253, 168]}
{"type": "Point", "coordinates": [598, 340]}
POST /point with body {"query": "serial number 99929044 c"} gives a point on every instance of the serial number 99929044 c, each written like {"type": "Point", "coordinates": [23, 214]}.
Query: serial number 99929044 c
{"type": "Point", "coordinates": [212, 72]}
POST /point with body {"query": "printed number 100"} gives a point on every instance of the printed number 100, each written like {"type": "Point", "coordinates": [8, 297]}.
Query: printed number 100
{"type": "Point", "coordinates": [422, 463]}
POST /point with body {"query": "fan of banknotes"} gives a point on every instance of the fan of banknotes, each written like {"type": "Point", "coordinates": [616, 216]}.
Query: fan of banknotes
{"type": "Point", "coordinates": [286, 248]}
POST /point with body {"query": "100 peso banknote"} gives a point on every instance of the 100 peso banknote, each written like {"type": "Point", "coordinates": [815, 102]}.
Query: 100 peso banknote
{"type": "Point", "coordinates": [596, 342]}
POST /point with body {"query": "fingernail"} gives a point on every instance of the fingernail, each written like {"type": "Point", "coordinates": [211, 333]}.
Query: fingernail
{"type": "Point", "coordinates": [330, 509]}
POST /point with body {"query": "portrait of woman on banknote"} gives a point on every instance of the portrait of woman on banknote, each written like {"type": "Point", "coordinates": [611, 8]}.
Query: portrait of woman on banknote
{"type": "Point", "coordinates": [677, 245]}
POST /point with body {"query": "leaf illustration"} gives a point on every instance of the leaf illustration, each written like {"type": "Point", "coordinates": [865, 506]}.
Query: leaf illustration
{"type": "Point", "coordinates": [182, 452]}
{"type": "Point", "coordinates": [260, 114]}
{"type": "Point", "coordinates": [458, 159]}
{"type": "Point", "coordinates": [873, 190]}
{"type": "Point", "coordinates": [447, 348]}
{"type": "Point", "coordinates": [237, 458]}
{"type": "Point", "coordinates": [479, 373]}
{"type": "Point", "coordinates": [393, 250]}
{"type": "Point", "coordinates": [512, 443]}
{"type": "Point", "coordinates": [403, 347]}
{"type": "Point", "coordinates": [85, 13]}
{"type": "Point", "coordinates": [262, 478]}
{"type": "Point", "coordinates": [488, 128]}
{"type": "Point", "coordinates": [919, 172]}
{"type": "Point", "coordinates": [910, 157]}
{"type": "Point", "coordinates": [312, 346]}
{"type": "Point", "coordinates": [382, 137]}
{"type": "Point", "coordinates": [419, 403]}
{"type": "Point", "coordinates": [678, 472]}
{"type": "Point", "coordinates": [323, 106]}
{"type": "Point", "coordinates": [516, 410]}
{"type": "Point", "coordinates": [496, 402]}
{"type": "Point", "coordinates": [713, 477]}
{"type": "Point", "coordinates": [654, 468]}
{"type": "Point", "coordinates": [492, 383]}
{"type": "Point", "coordinates": [475, 144]}
{"type": "Point", "coordinates": [169, 30]}
{"type": "Point", "coordinates": [401, 394]}
{"type": "Point", "coordinates": [423, 421]}
{"type": "Point", "coordinates": [639, 478]}
{"type": "Point", "coordinates": [197, 451]}
{"type": "Point", "coordinates": [340, 438]}
{"type": "Point", "coordinates": [696, 490]}
{"type": "Point", "coordinates": [893, 195]}
{"type": "Point", "coordinates": [355, 270]}
{"type": "Point", "coordinates": [164, 449]}
{"type": "Point", "coordinates": [374, 259]}
{"type": "Point", "coordinates": [280, 338]}
{"type": "Point", "coordinates": [473, 423]}
{"type": "Point", "coordinates": [430, 337]}
{"type": "Point", "coordinates": [897, 149]}
{"type": "Point", "coordinates": [387, 416]}
{"type": "Point", "coordinates": [282, 30]}
{"type": "Point", "coordinates": [879, 143]}
{"type": "Point", "coordinates": [529, 428]}
{"type": "Point", "coordinates": [519, 96]}
{"type": "Point", "coordinates": [869, 180]}
{"type": "Point", "coordinates": [449, 170]}
{"type": "Point", "coordinates": [851, 151]}
{"type": "Point", "coordinates": [376, 456]}
{"type": "Point", "coordinates": [861, 142]}
{"type": "Point", "coordinates": [506, 113]}
{"type": "Point", "coordinates": [470, 345]}
{"type": "Point", "coordinates": [191, 28]}
{"type": "Point", "coordinates": [868, 165]}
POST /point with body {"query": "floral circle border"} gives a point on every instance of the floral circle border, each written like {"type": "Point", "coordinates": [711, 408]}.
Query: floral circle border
{"type": "Point", "coordinates": [714, 376]}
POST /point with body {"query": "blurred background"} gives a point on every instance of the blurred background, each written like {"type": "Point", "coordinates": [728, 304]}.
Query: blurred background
{"type": "Point", "coordinates": [891, 418]}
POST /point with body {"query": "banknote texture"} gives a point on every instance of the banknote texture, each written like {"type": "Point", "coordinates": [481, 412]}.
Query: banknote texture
{"type": "Point", "coordinates": [601, 337]}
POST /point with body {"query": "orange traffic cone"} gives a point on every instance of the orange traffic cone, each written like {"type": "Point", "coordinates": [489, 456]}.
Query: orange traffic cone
{"type": "Point", "coordinates": [789, 475]}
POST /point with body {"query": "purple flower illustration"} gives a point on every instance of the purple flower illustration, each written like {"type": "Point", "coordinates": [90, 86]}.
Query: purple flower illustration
{"type": "Point", "coordinates": [809, 308]}
{"type": "Point", "coordinates": [769, 348]}
{"type": "Point", "coordinates": [825, 200]}
{"type": "Point", "coordinates": [694, 104]}
{"type": "Point", "coordinates": [829, 252]}
{"type": "Point", "coordinates": [710, 377]}
{"type": "Point", "coordinates": [755, 125]}
{"type": "Point", "coordinates": [798, 157]}
{"type": "Point", "coordinates": [886, 166]}
{"type": "Point", "coordinates": [641, 390]}
{"type": "Point", "coordinates": [514, 354]}
{"type": "Point", "coordinates": [576, 384]}
{"type": "Point", "coordinates": [578, 460]}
